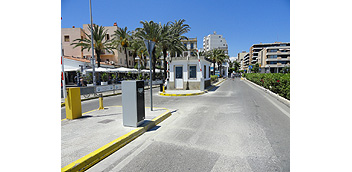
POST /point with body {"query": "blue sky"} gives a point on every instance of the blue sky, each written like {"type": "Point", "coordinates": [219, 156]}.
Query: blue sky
{"type": "Point", "coordinates": [241, 22]}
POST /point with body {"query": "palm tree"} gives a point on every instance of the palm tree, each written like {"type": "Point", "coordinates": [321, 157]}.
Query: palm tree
{"type": "Point", "coordinates": [221, 58]}
{"type": "Point", "coordinates": [121, 38]}
{"type": "Point", "coordinates": [150, 31]}
{"type": "Point", "coordinates": [170, 39]}
{"type": "Point", "coordinates": [99, 42]}
{"type": "Point", "coordinates": [214, 56]}
{"type": "Point", "coordinates": [136, 47]}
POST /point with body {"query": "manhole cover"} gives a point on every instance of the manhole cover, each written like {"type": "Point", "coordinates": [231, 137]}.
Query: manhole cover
{"type": "Point", "coordinates": [106, 121]}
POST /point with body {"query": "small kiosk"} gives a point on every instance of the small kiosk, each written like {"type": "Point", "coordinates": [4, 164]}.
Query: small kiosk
{"type": "Point", "coordinates": [189, 73]}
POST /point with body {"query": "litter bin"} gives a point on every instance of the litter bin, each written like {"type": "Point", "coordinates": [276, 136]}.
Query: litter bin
{"type": "Point", "coordinates": [133, 105]}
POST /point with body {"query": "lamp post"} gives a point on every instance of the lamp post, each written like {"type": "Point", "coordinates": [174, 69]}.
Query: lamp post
{"type": "Point", "coordinates": [92, 42]}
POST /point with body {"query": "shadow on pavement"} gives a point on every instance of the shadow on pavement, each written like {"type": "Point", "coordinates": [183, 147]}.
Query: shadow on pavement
{"type": "Point", "coordinates": [214, 88]}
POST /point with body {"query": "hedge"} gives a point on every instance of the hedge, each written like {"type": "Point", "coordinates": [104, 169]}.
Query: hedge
{"type": "Point", "coordinates": [276, 82]}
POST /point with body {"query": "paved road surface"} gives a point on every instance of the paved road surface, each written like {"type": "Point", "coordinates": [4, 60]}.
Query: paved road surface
{"type": "Point", "coordinates": [235, 128]}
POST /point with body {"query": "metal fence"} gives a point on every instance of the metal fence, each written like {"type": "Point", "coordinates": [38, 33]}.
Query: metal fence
{"type": "Point", "coordinates": [106, 88]}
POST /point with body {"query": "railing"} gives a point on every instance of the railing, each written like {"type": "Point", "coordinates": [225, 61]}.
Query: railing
{"type": "Point", "coordinates": [105, 88]}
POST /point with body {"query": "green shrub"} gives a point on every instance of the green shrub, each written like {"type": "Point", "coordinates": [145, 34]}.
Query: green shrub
{"type": "Point", "coordinates": [213, 78]}
{"type": "Point", "coordinates": [276, 82]}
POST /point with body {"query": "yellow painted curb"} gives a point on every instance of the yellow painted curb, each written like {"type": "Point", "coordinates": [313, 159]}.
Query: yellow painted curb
{"type": "Point", "coordinates": [189, 94]}
{"type": "Point", "coordinates": [94, 157]}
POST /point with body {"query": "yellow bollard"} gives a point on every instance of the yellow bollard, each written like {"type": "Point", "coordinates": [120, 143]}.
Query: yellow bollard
{"type": "Point", "coordinates": [73, 103]}
{"type": "Point", "coordinates": [163, 89]}
{"type": "Point", "coordinates": [101, 106]}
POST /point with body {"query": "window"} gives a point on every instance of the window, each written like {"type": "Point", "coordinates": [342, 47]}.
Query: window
{"type": "Point", "coordinates": [205, 72]}
{"type": "Point", "coordinates": [107, 36]}
{"type": "Point", "coordinates": [179, 72]}
{"type": "Point", "coordinates": [67, 38]}
{"type": "Point", "coordinates": [193, 72]}
{"type": "Point", "coordinates": [272, 56]}
{"type": "Point", "coordinates": [191, 45]}
{"type": "Point", "coordinates": [220, 40]}
{"type": "Point", "coordinates": [272, 50]}
{"type": "Point", "coordinates": [209, 73]}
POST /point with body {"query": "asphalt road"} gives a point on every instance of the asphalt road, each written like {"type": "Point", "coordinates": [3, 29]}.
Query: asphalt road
{"type": "Point", "coordinates": [236, 127]}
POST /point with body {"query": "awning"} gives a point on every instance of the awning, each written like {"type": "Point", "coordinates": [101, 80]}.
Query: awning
{"type": "Point", "coordinates": [100, 69]}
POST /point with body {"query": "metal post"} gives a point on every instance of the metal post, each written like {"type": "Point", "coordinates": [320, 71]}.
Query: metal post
{"type": "Point", "coordinates": [92, 42]}
{"type": "Point", "coordinates": [150, 46]}
{"type": "Point", "coordinates": [150, 79]}
{"type": "Point", "coordinates": [63, 74]}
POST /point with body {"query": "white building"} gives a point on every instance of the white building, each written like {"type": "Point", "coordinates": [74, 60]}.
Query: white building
{"type": "Point", "coordinates": [185, 73]}
{"type": "Point", "coordinates": [213, 41]}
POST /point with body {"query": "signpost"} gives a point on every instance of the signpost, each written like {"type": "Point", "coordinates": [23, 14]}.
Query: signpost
{"type": "Point", "coordinates": [150, 46]}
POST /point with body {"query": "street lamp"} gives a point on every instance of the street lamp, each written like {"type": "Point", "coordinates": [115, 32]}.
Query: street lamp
{"type": "Point", "coordinates": [92, 42]}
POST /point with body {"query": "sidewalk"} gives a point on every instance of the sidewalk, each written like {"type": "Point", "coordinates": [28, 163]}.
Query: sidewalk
{"type": "Point", "coordinates": [84, 140]}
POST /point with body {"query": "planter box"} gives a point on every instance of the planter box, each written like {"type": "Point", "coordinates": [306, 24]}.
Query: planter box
{"type": "Point", "coordinates": [104, 83]}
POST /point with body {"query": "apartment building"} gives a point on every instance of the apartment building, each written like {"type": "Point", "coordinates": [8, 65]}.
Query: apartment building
{"type": "Point", "coordinates": [245, 62]}
{"type": "Point", "coordinates": [68, 35]}
{"type": "Point", "coordinates": [240, 59]}
{"type": "Point", "coordinates": [268, 55]}
{"type": "Point", "coordinates": [213, 41]}
{"type": "Point", "coordinates": [190, 44]}
{"type": "Point", "coordinates": [273, 59]}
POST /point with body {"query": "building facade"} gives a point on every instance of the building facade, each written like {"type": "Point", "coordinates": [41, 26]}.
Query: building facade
{"type": "Point", "coordinates": [117, 58]}
{"type": "Point", "coordinates": [274, 59]}
{"type": "Point", "coordinates": [191, 45]}
{"type": "Point", "coordinates": [214, 41]}
{"type": "Point", "coordinates": [187, 73]}
{"type": "Point", "coordinates": [271, 57]}
{"type": "Point", "coordinates": [240, 59]}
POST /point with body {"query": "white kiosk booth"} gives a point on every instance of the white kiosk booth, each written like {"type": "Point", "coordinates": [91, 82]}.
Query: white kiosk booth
{"type": "Point", "coordinates": [189, 73]}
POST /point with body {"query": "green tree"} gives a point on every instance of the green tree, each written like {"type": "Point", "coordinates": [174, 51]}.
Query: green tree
{"type": "Point", "coordinates": [121, 38]}
{"type": "Point", "coordinates": [255, 68]}
{"type": "Point", "coordinates": [150, 31]}
{"type": "Point", "coordinates": [99, 42]}
{"type": "Point", "coordinates": [236, 65]}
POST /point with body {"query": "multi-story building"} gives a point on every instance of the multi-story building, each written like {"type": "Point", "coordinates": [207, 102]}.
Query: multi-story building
{"type": "Point", "coordinates": [68, 35]}
{"type": "Point", "coordinates": [240, 59]}
{"type": "Point", "coordinates": [245, 62]}
{"type": "Point", "coordinates": [213, 41]}
{"type": "Point", "coordinates": [273, 59]}
{"type": "Point", "coordinates": [256, 49]}
{"type": "Point", "coordinates": [190, 44]}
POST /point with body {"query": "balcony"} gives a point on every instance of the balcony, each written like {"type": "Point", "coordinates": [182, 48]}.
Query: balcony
{"type": "Point", "coordinates": [278, 53]}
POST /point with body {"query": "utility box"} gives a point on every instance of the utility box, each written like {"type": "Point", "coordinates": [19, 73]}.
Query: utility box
{"type": "Point", "coordinates": [133, 105]}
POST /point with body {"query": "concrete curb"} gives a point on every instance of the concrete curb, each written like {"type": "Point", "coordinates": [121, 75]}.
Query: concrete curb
{"type": "Point", "coordinates": [277, 96]}
{"type": "Point", "coordinates": [96, 156]}
{"type": "Point", "coordinates": [189, 94]}
{"type": "Point", "coordinates": [192, 94]}
{"type": "Point", "coordinates": [63, 104]}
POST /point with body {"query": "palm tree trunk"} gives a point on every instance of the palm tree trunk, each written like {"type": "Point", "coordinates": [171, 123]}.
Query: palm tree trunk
{"type": "Point", "coordinates": [126, 56]}
{"type": "Point", "coordinates": [213, 67]}
{"type": "Point", "coordinates": [98, 57]}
